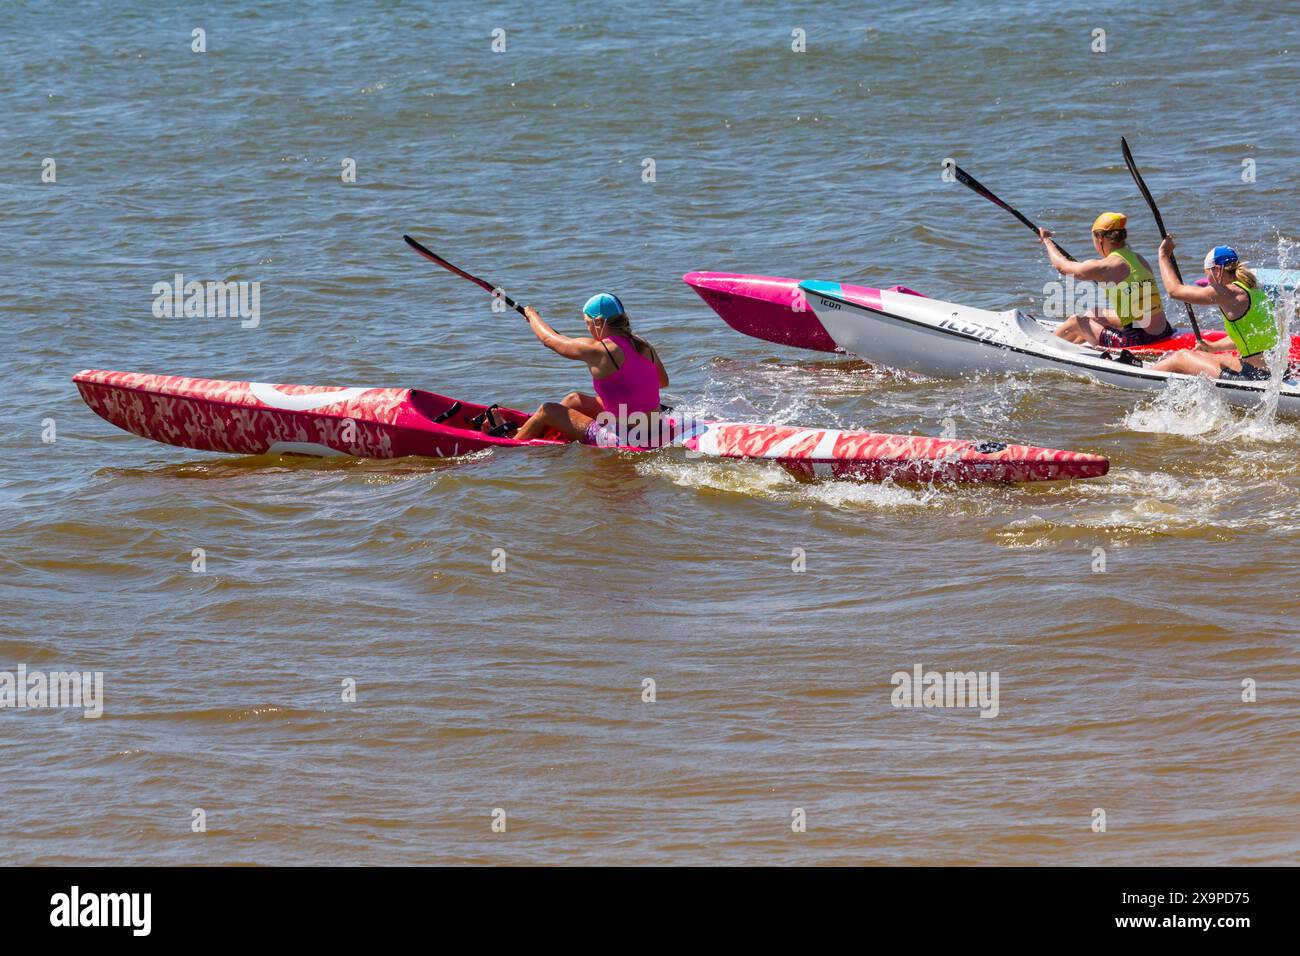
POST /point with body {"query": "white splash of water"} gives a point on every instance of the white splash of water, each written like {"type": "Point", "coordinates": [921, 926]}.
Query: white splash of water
{"type": "Point", "coordinates": [1261, 423]}
{"type": "Point", "coordinates": [1196, 408]}
{"type": "Point", "coordinates": [758, 479]}
{"type": "Point", "coordinates": [1131, 506]}
{"type": "Point", "coordinates": [1189, 406]}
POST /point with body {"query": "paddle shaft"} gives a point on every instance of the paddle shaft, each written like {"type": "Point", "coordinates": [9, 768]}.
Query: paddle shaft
{"type": "Point", "coordinates": [1160, 224]}
{"type": "Point", "coordinates": [966, 179]}
{"type": "Point", "coordinates": [482, 283]}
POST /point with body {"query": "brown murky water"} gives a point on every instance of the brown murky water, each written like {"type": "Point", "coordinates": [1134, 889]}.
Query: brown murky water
{"type": "Point", "coordinates": [1121, 615]}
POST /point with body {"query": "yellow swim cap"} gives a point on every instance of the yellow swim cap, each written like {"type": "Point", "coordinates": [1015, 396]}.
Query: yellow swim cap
{"type": "Point", "coordinates": [1110, 220]}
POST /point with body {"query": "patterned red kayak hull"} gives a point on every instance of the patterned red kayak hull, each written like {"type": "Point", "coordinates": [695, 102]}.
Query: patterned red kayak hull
{"type": "Point", "coordinates": [875, 456]}
{"type": "Point", "coordinates": [252, 418]}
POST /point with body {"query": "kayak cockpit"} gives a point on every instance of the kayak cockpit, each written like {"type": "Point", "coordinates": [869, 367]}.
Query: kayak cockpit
{"type": "Point", "coordinates": [1044, 335]}
{"type": "Point", "coordinates": [444, 413]}
{"type": "Point", "coordinates": [450, 413]}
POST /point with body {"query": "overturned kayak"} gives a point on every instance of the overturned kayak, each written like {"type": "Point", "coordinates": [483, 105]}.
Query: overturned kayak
{"type": "Point", "coordinates": [934, 337]}
{"type": "Point", "coordinates": [253, 418]}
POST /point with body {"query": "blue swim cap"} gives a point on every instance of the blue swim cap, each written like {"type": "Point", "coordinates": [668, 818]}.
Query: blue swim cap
{"type": "Point", "coordinates": [1221, 256]}
{"type": "Point", "coordinates": [603, 305]}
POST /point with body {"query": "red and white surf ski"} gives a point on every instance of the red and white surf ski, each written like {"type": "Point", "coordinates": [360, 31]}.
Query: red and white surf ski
{"type": "Point", "coordinates": [252, 418]}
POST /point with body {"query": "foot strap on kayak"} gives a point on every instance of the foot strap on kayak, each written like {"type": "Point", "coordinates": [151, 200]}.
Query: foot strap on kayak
{"type": "Point", "coordinates": [487, 423]}
{"type": "Point", "coordinates": [1125, 357]}
{"type": "Point", "coordinates": [452, 409]}
{"type": "Point", "coordinates": [485, 417]}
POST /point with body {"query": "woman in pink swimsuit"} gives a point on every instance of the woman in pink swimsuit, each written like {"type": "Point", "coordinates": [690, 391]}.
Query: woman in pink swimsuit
{"type": "Point", "coordinates": [626, 375]}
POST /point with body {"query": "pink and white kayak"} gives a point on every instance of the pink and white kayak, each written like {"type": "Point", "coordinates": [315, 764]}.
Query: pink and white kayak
{"type": "Point", "coordinates": [765, 307]}
{"type": "Point", "coordinates": [771, 308]}
{"type": "Point", "coordinates": [776, 309]}
{"type": "Point", "coordinates": [252, 418]}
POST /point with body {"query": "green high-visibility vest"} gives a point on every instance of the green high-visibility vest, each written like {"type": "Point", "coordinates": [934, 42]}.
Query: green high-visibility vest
{"type": "Point", "coordinates": [1256, 331]}
{"type": "Point", "coordinates": [1137, 297]}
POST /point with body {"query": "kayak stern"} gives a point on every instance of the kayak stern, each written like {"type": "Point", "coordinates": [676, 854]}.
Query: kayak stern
{"type": "Point", "coordinates": [775, 309]}
{"type": "Point", "coordinates": [763, 307]}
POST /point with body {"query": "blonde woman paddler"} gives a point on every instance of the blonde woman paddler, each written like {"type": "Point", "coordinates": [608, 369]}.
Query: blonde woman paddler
{"type": "Point", "coordinates": [626, 376]}
{"type": "Point", "coordinates": [1248, 318]}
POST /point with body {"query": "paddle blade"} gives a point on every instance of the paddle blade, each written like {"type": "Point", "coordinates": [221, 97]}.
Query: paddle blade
{"type": "Point", "coordinates": [1160, 224]}
{"type": "Point", "coordinates": [970, 182]}
{"type": "Point", "coordinates": [1142, 186]}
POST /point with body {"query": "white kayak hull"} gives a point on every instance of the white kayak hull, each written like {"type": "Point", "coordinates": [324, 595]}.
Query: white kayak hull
{"type": "Point", "coordinates": [944, 339]}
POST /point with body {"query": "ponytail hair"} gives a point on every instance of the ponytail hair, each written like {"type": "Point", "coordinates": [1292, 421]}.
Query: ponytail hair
{"type": "Point", "coordinates": [1239, 273]}
{"type": "Point", "coordinates": [622, 325]}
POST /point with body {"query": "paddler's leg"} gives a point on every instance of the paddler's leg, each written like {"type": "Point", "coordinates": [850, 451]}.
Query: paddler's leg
{"type": "Point", "coordinates": [589, 405]}
{"type": "Point", "coordinates": [1090, 330]}
{"type": "Point", "coordinates": [1093, 324]}
{"type": "Point", "coordinates": [1069, 330]}
{"type": "Point", "coordinates": [1191, 362]}
{"type": "Point", "coordinates": [1077, 328]}
{"type": "Point", "coordinates": [568, 421]}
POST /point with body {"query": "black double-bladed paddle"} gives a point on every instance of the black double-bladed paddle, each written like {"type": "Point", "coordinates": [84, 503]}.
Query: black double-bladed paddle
{"type": "Point", "coordinates": [1160, 224]}
{"type": "Point", "coordinates": [966, 179]}
{"type": "Point", "coordinates": [482, 283]}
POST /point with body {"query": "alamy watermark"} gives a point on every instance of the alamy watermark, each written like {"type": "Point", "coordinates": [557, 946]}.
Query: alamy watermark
{"type": "Point", "coordinates": [1066, 296]}
{"type": "Point", "coordinates": [130, 910]}
{"type": "Point", "coordinates": [208, 300]}
{"type": "Point", "coordinates": [928, 689]}
{"type": "Point", "coordinates": [646, 430]}
{"type": "Point", "coordinates": [36, 690]}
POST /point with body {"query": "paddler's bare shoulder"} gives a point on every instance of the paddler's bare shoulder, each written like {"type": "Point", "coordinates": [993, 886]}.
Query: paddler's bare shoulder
{"type": "Point", "coordinates": [1112, 268]}
{"type": "Point", "coordinates": [590, 346]}
{"type": "Point", "coordinates": [593, 353]}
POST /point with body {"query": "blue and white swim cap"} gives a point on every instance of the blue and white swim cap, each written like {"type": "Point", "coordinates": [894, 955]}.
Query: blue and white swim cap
{"type": "Point", "coordinates": [1221, 256]}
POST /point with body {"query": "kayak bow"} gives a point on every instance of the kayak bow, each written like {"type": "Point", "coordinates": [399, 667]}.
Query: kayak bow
{"type": "Point", "coordinates": [253, 418]}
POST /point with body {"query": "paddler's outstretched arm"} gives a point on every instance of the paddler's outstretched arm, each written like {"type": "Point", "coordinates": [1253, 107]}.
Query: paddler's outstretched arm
{"type": "Point", "coordinates": [1195, 294]}
{"type": "Point", "coordinates": [1191, 294]}
{"type": "Point", "coordinates": [580, 350]}
{"type": "Point", "coordinates": [1090, 270]}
